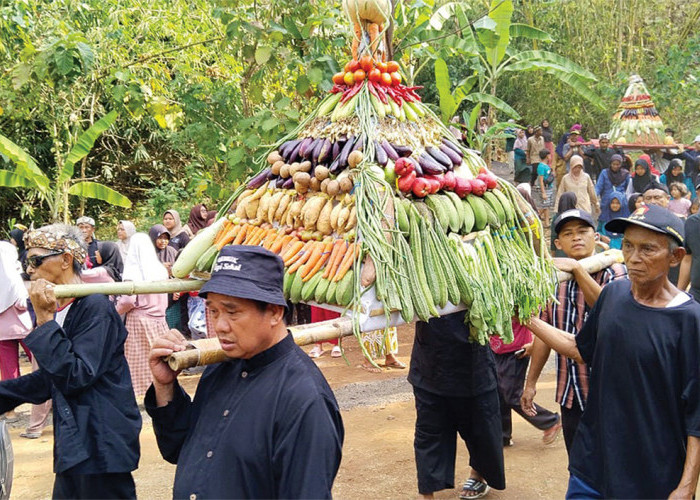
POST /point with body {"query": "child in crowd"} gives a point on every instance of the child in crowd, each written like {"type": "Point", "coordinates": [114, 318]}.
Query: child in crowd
{"type": "Point", "coordinates": [679, 204]}
{"type": "Point", "coordinates": [615, 206]}
{"type": "Point", "coordinates": [544, 187]}
{"type": "Point", "coordinates": [634, 202]}
{"type": "Point", "coordinates": [695, 207]}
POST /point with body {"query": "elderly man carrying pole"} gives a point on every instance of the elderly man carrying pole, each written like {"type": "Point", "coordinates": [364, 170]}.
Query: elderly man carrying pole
{"type": "Point", "coordinates": [639, 435]}
{"type": "Point", "coordinates": [264, 424]}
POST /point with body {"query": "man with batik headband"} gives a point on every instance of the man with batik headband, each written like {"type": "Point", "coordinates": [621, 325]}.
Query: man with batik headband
{"type": "Point", "coordinates": [79, 346]}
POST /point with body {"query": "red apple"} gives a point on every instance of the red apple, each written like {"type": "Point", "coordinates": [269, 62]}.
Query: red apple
{"type": "Point", "coordinates": [403, 166]}
{"type": "Point", "coordinates": [478, 187]}
{"type": "Point", "coordinates": [405, 182]}
{"type": "Point", "coordinates": [450, 180]}
{"type": "Point", "coordinates": [421, 187]}
{"type": "Point", "coordinates": [462, 187]}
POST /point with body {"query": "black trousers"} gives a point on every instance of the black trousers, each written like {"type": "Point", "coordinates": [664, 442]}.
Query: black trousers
{"type": "Point", "coordinates": [570, 417]}
{"type": "Point", "coordinates": [104, 486]}
{"type": "Point", "coordinates": [438, 421]}
{"type": "Point", "coordinates": [511, 379]}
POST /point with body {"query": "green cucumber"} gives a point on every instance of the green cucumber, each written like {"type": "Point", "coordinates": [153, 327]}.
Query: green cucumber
{"type": "Point", "coordinates": [320, 292]}
{"type": "Point", "coordinates": [480, 215]}
{"type": "Point", "coordinates": [309, 288]}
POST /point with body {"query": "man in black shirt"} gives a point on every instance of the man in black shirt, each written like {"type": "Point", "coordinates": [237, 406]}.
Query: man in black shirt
{"type": "Point", "coordinates": [264, 424]}
{"type": "Point", "coordinates": [87, 227]}
{"type": "Point", "coordinates": [600, 157]}
{"type": "Point", "coordinates": [639, 435]}
{"type": "Point", "coordinates": [456, 391]}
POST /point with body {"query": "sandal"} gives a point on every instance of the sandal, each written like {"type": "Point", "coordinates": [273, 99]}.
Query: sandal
{"type": "Point", "coordinates": [30, 435]}
{"type": "Point", "coordinates": [316, 352]}
{"type": "Point", "coordinates": [480, 489]}
{"type": "Point", "coordinates": [336, 352]}
{"type": "Point", "coordinates": [551, 434]}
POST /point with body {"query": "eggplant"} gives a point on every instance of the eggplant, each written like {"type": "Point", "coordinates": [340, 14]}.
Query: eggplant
{"type": "Point", "coordinates": [309, 149]}
{"type": "Point", "coordinates": [305, 144]}
{"type": "Point", "coordinates": [381, 156]}
{"type": "Point", "coordinates": [345, 152]}
{"type": "Point", "coordinates": [390, 151]}
{"type": "Point", "coordinates": [360, 144]}
{"type": "Point", "coordinates": [336, 167]}
{"type": "Point", "coordinates": [454, 157]}
{"type": "Point", "coordinates": [417, 167]}
{"type": "Point", "coordinates": [403, 151]}
{"type": "Point", "coordinates": [325, 151]}
{"type": "Point", "coordinates": [279, 182]}
{"type": "Point", "coordinates": [452, 146]}
{"type": "Point", "coordinates": [294, 155]}
{"type": "Point", "coordinates": [258, 179]}
{"type": "Point", "coordinates": [317, 150]}
{"type": "Point", "coordinates": [286, 148]}
{"type": "Point", "coordinates": [288, 183]}
{"type": "Point", "coordinates": [270, 175]}
{"type": "Point", "coordinates": [335, 150]}
{"type": "Point", "coordinates": [438, 155]}
{"type": "Point", "coordinates": [430, 166]}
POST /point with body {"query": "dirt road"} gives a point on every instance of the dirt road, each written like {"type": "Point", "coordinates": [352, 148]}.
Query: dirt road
{"type": "Point", "coordinates": [378, 462]}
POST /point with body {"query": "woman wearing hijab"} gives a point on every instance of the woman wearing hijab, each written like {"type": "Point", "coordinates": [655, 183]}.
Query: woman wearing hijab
{"type": "Point", "coordinates": [523, 171]}
{"type": "Point", "coordinates": [579, 182]}
{"type": "Point", "coordinates": [614, 178]}
{"type": "Point", "coordinates": [178, 236]}
{"type": "Point", "coordinates": [675, 174]}
{"type": "Point", "coordinates": [211, 217]}
{"type": "Point", "coordinates": [17, 239]}
{"type": "Point", "coordinates": [197, 220]}
{"type": "Point", "coordinates": [111, 266]}
{"type": "Point", "coordinates": [145, 314]}
{"type": "Point", "coordinates": [548, 135]}
{"type": "Point", "coordinates": [15, 322]}
{"type": "Point", "coordinates": [166, 255]}
{"type": "Point", "coordinates": [612, 206]}
{"type": "Point", "coordinates": [125, 230]}
{"type": "Point", "coordinates": [525, 190]}
{"type": "Point", "coordinates": [642, 177]}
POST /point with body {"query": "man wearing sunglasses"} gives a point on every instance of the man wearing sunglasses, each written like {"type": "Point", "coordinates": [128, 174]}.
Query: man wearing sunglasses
{"type": "Point", "coordinates": [79, 346]}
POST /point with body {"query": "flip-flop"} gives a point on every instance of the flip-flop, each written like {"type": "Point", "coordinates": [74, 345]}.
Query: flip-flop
{"type": "Point", "coordinates": [336, 352]}
{"type": "Point", "coordinates": [479, 487]}
{"type": "Point", "coordinates": [551, 434]}
{"type": "Point", "coordinates": [316, 352]}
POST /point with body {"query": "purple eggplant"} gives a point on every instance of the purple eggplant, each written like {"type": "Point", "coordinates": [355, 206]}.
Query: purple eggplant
{"type": "Point", "coordinates": [336, 167]}
{"type": "Point", "coordinates": [381, 156]}
{"type": "Point", "coordinates": [270, 175]}
{"type": "Point", "coordinates": [308, 151]}
{"type": "Point", "coordinates": [345, 152]}
{"type": "Point", "coordinates": [360, 144]}
{"type": "Point", "coordinates": [286, 148]}
{"type": "Point", "coordinates": [335, 150]}
{"type": "Point", "coordinates": [390, 151]}
{"type": "Point", "coordinates": [403, 151]}
{"type": "Point", "coordinates": [279, 182]}
{"type": "Point", "coordinates": [288, 183]}
{"type": "Point", "coordinates": [454, 157]}
{"type": "Point", "coordinates": [294, 154]}
{"type": "Point", "coordinates": [452, 146]}
{"type": "Point", "coordinates": [305, 144]}
{"type": "Point", "coordinates": [429, 165]}
{"type": "Point", "coordinates": [416, 167]}
{"type": "Point", "coordinates": [438, 155]}
{"type": "Point", "coordinates": [258, 180]}
{"type": "Point", "coordinates": [316, 151]}
{"type": "Point", "coordinates": [325, 152]}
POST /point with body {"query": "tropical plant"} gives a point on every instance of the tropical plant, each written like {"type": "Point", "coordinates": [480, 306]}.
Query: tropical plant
{"type": "Point", "coordinates": [28, 175]}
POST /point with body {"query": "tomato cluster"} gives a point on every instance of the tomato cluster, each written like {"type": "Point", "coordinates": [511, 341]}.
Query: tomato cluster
{"type": "Point", "coordinates": [377, 72]}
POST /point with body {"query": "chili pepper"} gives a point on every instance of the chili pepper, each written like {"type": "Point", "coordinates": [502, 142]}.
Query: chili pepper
{"type": "Point", "coordinates": [337, 88]}
{"type": "Point", "coordinates": [352, 92]}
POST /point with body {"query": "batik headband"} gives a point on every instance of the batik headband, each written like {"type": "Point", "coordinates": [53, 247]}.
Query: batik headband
{"type": "Point", "coordinates": [37, 238]}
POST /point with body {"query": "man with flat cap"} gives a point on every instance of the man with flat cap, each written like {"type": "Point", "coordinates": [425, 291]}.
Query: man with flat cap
{"type": "Point", "coordinates": [639, 435]}
{"type": "Point", "coordinates": [263, 424]}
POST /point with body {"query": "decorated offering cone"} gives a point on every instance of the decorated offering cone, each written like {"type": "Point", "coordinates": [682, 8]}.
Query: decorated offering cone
{"type": "Point", "coordinates": [636, 120]}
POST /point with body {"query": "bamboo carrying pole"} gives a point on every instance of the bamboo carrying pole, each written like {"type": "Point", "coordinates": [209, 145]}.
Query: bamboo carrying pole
{"type": "Point", "coordinates": [208, 351]}
{"type": "Point", "coordinates": [127, 288]}
{"type": "Point", "coordinates": [595, 263]}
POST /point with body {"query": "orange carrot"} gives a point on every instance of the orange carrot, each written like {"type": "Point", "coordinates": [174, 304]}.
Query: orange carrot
{"type": "Point", "coordinates": [356, 39]}
{"type": "Point", "coordinates": [373, 30]}
{"type": "Point", "coordinates": [279, 246]}
{"type": "Point", "coordinates": [259, 237]}
{"type": "Point", "coordinates": [338, 259]}
{"type": "Point", "coordinates": [241, 234]}
{"type": "Point", "coordinates": [223, 231]}
{"type": "Point", "coordinates": [228, 237]}
{"type": "Point", "coordinates": [325, 255]}
{"type": "Point", "coordinates": [295, 252]}
{"type": "Point", "coordinates": [304, 257]}
{"type": "Point", "coordinates": [252, 231]}
{"type": "Point", "coordinates": [337, 246]}
{"type": "Point", "coordinates": [347, 261]}
{"type": "Point", "coordinates": [313, 259]}
{"type": "Point", "coordinates": [270, 239]}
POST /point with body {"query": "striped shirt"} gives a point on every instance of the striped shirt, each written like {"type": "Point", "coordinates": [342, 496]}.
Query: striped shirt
{"type": "Point", "coordinates": [569, 315]}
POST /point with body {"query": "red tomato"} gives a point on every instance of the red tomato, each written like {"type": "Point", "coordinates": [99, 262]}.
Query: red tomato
{"type": "Point", "coordinates": [352, 66]}
{"type": "Point", "coordinates": [395, 78]}
{"type": "Point", "coordinates": [375, 76]}
{"type": "Point", "coordinates": [382, 66]}
{"type": "Point", "coordinates": [392, 66]}
{"type": "Point", "coordinates": [338, 78]}
{"type": "Point", "coordinates": [349, 79]}
{"type": "Point", "coordinates": [366, 63]}
{"type": "Point", "coordinates": [386, 78]}
{"type": "Point", "coordinates": [359, 75]}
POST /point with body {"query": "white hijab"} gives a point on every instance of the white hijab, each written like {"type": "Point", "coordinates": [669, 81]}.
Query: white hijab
{"type": "Point", "coordinates": [130, 230]}
{"type": "Point", "coordinates": [12, 287]}
{"type": "Point", "coordinates": [142, 263]}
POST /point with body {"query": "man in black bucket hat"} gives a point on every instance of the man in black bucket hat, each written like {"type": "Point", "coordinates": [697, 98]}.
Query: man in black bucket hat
{"type": "Point", "coordinates": [265, 424]}
{"type": "Point", "coordinates": [639, 435]}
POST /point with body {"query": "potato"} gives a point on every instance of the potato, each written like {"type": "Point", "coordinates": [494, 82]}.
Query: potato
{"type": "Point", "coordinates": [355, 158]}
{"type": "Point", "coordinates": [314, 184]}
{"type": "Point", "coordinates": [301, 188]}
{"type": "Point", "coordinates": [305, 166]}
{"type": "Point", "coordinates": [276, 167]}
{"type": "Point", "coordinates": [274, 157]}
{"type": "Point", "coordinates": [324, 185]}
{"type": "Point", "coordinates": [321, 172]}
{"type": "Point", "coordinates": [345, 184]}
{"type": "Point", "coordinates": [333, 188]}
{"type": "Point", "coordinates": [302, 178]}
{"type": "Point", "coordinates": [293, 168]}
{"type": "Point", "coordinates": [284, 171]}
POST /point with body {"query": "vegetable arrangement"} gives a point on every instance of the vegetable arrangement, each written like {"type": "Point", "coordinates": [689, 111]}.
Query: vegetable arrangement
{"type": "Point", "coordinates": [636, 120]}
{"type": "Point", "coordinates": [371, 192]}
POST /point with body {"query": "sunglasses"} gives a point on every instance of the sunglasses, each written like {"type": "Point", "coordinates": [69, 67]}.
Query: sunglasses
{"type": "Point", "coordinates": [37, 260]}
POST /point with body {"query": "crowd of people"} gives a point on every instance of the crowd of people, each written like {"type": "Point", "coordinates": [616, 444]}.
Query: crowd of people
{"type": "Point", "coordinates": [627, 339]}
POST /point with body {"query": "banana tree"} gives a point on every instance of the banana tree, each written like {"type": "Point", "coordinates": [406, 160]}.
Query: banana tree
{"type": "Point", "coordinates": [28, 175]}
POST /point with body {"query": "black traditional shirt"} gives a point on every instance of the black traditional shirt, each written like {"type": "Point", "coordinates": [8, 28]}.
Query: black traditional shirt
{"type": "Point", "coordinates": [267, 427]}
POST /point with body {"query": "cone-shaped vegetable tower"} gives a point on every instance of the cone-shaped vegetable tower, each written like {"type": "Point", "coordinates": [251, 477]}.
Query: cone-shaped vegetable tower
{"type": "Point", "coordinates": [375, 208]}
{"type": "Point", "coordinates": [636, 120]}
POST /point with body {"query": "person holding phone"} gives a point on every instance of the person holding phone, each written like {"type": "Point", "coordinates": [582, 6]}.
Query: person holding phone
{"type": "Point", "coordinates": [512, 361]}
